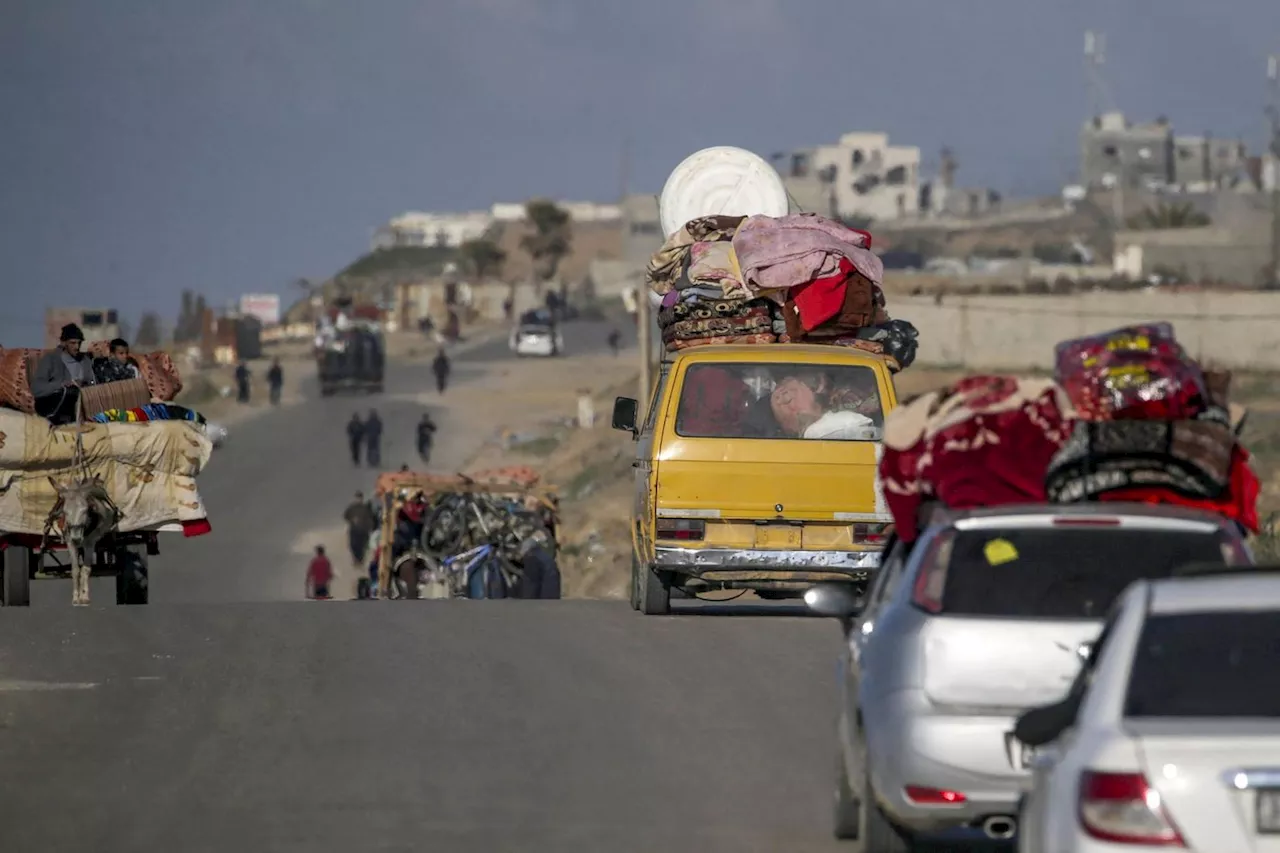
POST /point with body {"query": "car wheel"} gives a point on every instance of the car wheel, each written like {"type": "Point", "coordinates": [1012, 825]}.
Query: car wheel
{"type": "Point", "coordinates": [654, 595]}
{"type": "Point", "coordinates": [846, 809]}
{"type": "Point", "coordinates": [16, 571]}
{"type": "Point", "coordinates": [132, 577]}
{"type": "Point", "coordinates": [876, 833]}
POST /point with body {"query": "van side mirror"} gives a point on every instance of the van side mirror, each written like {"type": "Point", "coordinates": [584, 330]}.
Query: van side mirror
{"type": "Point", "coordinates": [837, 600]}
{"type": "Point", "coordinates": [626, 411]}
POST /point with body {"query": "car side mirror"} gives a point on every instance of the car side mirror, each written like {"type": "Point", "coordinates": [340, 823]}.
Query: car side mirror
{"type": "Point", "coordinates": [835, 600]}
{"type": "Point", "coordinates": [626, 412]}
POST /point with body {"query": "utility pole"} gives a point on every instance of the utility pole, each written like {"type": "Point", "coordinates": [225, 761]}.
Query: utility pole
{"type": "Point", "coordinates": [1273, 113]}
{"type": "Point", "coordinates": [644, 319]}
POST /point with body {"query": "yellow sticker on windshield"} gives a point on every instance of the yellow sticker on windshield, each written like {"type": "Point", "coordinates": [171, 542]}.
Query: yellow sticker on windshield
{"type": "Point", "coordinates": [1000, 551]}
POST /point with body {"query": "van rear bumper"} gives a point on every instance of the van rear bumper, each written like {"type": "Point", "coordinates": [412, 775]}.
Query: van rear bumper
{"type": "Point", "coordinates": [765, 568]}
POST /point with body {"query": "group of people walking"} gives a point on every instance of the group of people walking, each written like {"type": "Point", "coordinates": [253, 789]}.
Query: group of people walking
{"type": "Point", "coordinates": [275, 382]}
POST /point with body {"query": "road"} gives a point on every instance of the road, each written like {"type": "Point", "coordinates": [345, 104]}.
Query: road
{"type": "Point", "coordinates": [229, 715]}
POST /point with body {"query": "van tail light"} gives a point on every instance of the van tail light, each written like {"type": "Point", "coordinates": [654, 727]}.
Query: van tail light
{"type": "Point", "coordinates": [1122, 808]}
{"type": "Point", "coordinates": [870, 534]}
{"type": "Point", "coordinates": [683, 529]}
{"type": "Point", "coordinates": [932, 577]}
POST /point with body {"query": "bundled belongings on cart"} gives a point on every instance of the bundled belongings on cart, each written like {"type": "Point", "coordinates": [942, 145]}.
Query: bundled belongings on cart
{"type": "Point", "coordinates": [1152, 426]}
{"type": "Point", "coordinates": [983, 441]}
{"type": "Point", "coordinates": [799, 278]}
{"type": "Point", "coordinates": [149, 471]}
{"type": "Point", "coordinates": [438, 531]}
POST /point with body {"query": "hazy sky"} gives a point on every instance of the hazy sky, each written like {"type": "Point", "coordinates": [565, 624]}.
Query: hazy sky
{"type": "Point", "coordinates": [230, 146]}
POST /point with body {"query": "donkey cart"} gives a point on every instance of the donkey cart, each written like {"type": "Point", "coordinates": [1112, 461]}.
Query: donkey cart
{"type": "Point", "coordinates": [119, 555]}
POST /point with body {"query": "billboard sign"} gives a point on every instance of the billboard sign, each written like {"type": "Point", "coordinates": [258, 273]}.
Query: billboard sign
{"type": "Point", "coordinates": [264, 306]}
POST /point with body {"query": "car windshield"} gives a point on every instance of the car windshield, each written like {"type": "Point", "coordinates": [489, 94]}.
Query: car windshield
{"type": "Point", "coordinates": [1215, 664]}
{"type": "Point", "coordinates": [1061, 572]}
{"type": "Point", "coordinates": [780, 400]}
{"type": "Point", "coordinates": [535, 330]}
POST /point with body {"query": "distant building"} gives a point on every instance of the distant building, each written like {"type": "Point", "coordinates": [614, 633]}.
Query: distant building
{"type": "Point", "coordinates": [641, 229]}
{"type": "Point", "coordinates": [861, 176]}
{"type": "Point", "coordinates": [432, 229]}
{"type": "Point", "coordinates": [1202, 163]}
{"type": "Point", "coordinates": [1113, 151]}
{"type": "Point", "coordinates": [97, 324]}
{"type": "Point", "coordinates": [453, 229]}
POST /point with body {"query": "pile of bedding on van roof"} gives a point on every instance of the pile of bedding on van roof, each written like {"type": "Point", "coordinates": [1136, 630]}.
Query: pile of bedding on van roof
{"type": "Point", "coordinates": [1128, 417]}
{"type": "Point", "coordinates": [799, 278]}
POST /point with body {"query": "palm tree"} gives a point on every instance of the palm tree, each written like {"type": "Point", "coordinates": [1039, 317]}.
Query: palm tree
{"type": "Point", "coordinates": [549, 241]}
{"type": "Point", "coordinates": [482, 257]}
{"type": "Point", "coordinates": [1169, 215]}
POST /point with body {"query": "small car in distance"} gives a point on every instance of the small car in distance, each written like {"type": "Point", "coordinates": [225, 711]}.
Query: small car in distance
{"type": "Point", "coordinates": [536, 340]}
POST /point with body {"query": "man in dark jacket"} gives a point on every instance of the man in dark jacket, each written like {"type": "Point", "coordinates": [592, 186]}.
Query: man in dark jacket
{"type": "Point", "coordinates": [59, 375]}
{"type": "Point", "coordinates": [441, 368]}
{"type": "Point", "coordinates": [355, 436]}
{"type": "Point", "coordinates": [243, 376]}
{"type": "Point", "coordinates": [360, 524]}
{"type": "Point", "coordinates": [426, 435]}
{"type": "Point", "coordinates": [275, 381]}
{"type": "Point", "coordinates": [373, 439]}
{"type": "Point", "coordinates": [538, 563]}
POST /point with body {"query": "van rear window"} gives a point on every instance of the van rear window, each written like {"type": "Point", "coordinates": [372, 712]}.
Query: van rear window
{"type": "Point", "coordinates": [1061, 572]}
{"type": "Point", "coordinates": [780, 400]}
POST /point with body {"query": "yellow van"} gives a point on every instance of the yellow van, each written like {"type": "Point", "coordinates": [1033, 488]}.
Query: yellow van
{"type": "Point", "coordinates": [756, 468]}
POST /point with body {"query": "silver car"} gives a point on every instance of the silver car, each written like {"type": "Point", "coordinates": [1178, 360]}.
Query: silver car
{"type": "Point", "coordinates": [982, 618]}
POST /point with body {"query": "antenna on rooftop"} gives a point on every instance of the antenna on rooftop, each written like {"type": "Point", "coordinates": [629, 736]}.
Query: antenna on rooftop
{"type": "Point", "coordinates": [1095, 56]}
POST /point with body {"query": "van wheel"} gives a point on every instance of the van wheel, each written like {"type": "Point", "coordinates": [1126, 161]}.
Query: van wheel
{"type": "Point", "coordinates": [635, 582]}
{"type": "Point", "coordinates": [654, 594]}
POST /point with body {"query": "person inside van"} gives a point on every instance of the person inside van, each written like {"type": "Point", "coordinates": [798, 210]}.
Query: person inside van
{"type": "Point", "coordinates": [801, 404]}
{"type": "Point", "coordinates": [713, 403]}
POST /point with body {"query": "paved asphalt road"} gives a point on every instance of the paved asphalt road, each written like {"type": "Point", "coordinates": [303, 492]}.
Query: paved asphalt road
{"type": "Point", "coordinates": [229, 715]}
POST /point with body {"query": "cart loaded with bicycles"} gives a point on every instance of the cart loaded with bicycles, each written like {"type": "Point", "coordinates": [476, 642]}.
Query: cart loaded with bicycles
{"type": "Point", "coordinates": [460, 536]}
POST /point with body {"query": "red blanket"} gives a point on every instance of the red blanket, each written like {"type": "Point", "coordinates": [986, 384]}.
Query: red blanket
{"type": "Point", "coordinates": [1136, 372]}
{"type": "Point", "coordinates": [985, 441]}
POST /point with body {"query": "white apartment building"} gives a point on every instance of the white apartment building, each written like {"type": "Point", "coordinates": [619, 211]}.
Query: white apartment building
{"type": "Point", "coordinates": [417, 228]}
{"type": "Point", "coordinates": [862, 175]}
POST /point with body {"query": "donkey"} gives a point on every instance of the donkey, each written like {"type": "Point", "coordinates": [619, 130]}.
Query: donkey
{"type": "Point", "coordinates": [83, 515]}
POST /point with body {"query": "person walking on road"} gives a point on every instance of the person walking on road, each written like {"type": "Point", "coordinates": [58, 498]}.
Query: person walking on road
{"type": "Point", "coordinates": [426, 435]}
{"type": "Point", "coordinates": [373, 439]}
{"type": "Point", "coordinates": [319, 575]}
{"type": "Point", "coordinates": [355, 436]}
{"type": "Point", "coordinates": [243, 377]}
{"type": "Point", "coordinates": [441, 368]}
{"type": "Point", "coordinates": [541, 573]}
{"type": "Point", "coordinates": [275, 381]}
{"type": "Point", "coordinates": [360, 526]}
{"type": "Point", "coordinates": [615, 341]}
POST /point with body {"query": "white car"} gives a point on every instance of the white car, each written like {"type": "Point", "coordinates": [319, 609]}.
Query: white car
{"type": "Point", "coordinates": [536, 340]}
{"type": "Point", "coordinates": [1170, 735]}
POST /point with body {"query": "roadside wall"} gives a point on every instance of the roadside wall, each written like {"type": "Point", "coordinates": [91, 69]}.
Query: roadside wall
{"type": "Point", "coordinates": [1236, 330]}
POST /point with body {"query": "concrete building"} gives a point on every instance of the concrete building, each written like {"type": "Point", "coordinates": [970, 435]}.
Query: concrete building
{"type": "Point", "coordinates": [1213, 253]}
{"type": "Point", "coordinates": [1203, 163]}
{"type": "Point", "coordinates": [641, 229]}
{"type": "Point", "coordinates": [1112, 151]}
{"type": "Point", "coordinates": [579, 211]}
{"type": "Point", "coordinates": [861, 176]}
